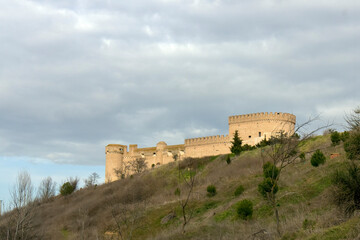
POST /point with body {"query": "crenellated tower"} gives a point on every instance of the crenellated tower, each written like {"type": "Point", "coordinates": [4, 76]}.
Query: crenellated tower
{"type": "Point", "coordinates": [253, 128]}
{"type": "Point", "coordinates": [114, 160]}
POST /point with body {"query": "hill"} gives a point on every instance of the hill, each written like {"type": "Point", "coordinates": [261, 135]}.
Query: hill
{"type": "Point", "coordinates": [148, 205]}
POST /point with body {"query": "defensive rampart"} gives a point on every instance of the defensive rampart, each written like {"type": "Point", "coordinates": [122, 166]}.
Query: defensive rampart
{"type": "Point", "coordinates": [252, 128]}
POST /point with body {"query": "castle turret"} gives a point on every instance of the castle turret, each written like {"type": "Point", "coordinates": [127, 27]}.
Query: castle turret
{"type": "Point", "coordinates": [253, 128]}
{"type": "Point", "coordinates": [114, 160]}
{"type": "Point", "coordinates": [160, 148]}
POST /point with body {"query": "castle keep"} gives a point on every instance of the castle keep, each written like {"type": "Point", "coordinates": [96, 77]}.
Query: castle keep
{"type": "Point", "coordinates": [252, 128]}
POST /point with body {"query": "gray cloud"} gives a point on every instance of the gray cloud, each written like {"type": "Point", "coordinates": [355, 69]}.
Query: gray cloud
{"type": "Point", "coordinates": [77, 75]}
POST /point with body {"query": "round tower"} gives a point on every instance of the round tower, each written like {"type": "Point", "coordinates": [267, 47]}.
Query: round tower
{"type": "Point", "coordinates": [114, 161]}
{"type": "Point", "coordinates": [160, 148]}
{"type": "Point", "coordinates": [253, 128]}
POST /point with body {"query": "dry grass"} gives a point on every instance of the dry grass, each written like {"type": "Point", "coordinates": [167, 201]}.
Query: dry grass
{"type": "Point", "coordinates": [304, 196]}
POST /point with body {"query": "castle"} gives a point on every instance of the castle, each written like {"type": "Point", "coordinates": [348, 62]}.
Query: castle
{"type": "Point", "coordinates": [252, 128]}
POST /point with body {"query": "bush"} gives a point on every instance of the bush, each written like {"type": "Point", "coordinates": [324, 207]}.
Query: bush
{"type": "Point", "coordinates": [352, 146]}
{"type": "Point", "coordinates": [344, 136]}
{"type": "Point", "coordinates": [67, 189]}
{"type": "Point", "coordinates": [302, 157]}
{"type": "Point", "coordinates": [211, 189]}
{"type": "Point", "coordinates": [70, 186]}
{"type": "Point", "coordinates": [317, 158]}
{"type": "Point", "coordinates": [267, 186]}
{"type": "Point", "coordinates": [177, 192]}
{"type": "Point", "coordinates": [239, 190]}
{"type": "Point", "coordinates": [346, 191]}
{"type": "Point", "coordinates": [228, 159]}
{"type": "Point", "coordinates": [335, 138]}
{"type": "Point", "coordinates": [245, 209]}
{"type": "Point", "coordinates": [308, 224]}
{"type": "Point", "coordinates": [270, 170]}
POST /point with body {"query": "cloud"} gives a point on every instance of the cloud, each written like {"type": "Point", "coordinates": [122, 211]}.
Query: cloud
{"type": "Point", "coordinates": [77, 75]}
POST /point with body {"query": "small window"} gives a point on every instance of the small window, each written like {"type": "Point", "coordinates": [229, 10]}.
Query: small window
{"type": "Point", "coordinates": [259, 134]}
{"type": "Point", "coordinates": [249, 136]}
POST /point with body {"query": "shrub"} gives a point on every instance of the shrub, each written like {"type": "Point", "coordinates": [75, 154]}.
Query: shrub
{"type": "Point", "coordinates": [270, 170]}
{"type": "Point", "coordinates": [352, 146]}
{"type": "Point", "coordinates": [245, 209]}
{"type": "Point", "coordinates": [177, 192]}
{"type": "Point", "coordinates": [67, 189]}
{"type": "Point", "coordinates": [152, 165]}
{"type": "Point", "coordinates": [317, 158]}
{"type": "Point", "coordinates": [346, 191]}
{"type": "Point", "coordinates": [308, 224]}
{"type": "Point", "coordinates": [302, 157]}
{"type": "Point", "coordinates": [344, 136]}
{"type": "Point", "coordinates": [335, 138]}
{"type": "Point", "coordinates": [211, 189]}
{"type": "Point", "coordinates": [69, 186]}
{"type": "Point", "coordinates": [228, 159]}
{"type": "Point", "coordinates": [239, 190]}
{"type": "Point", "coordinates": [267, 186]}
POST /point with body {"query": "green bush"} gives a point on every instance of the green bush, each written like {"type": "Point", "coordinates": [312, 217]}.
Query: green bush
{"type": "Point", "coordinates": [346, 191]}
{"type": "Point", "coordinates": [228, 159]}
{"type": "Point", "coordinates": [267, 186]}
{"type": "Point", "coordinates": [177, 192]}
{"type": "Point", "coordinates": [239, 190]}
{"type": "Point", "coordinates": [352, 146]}
{"type": "Point", "coordinates": [211, 189]}
{"type": "Point", "coordinates": [270, 170]}
{"type": "Point", "coordinates": [67, 189]}
{"type": "Point", "coordinates": [302, 157]}
{"type": "Point", "coordinates": [344, 136]}
{"type": "Point", "coordinates": [335, 138]}
{"type": "Point", "coordinates": [308, 224]}
{"type": "Point", "coordinates": [318, 158]}
{"type": "Point", "coordinates": [245, 209]}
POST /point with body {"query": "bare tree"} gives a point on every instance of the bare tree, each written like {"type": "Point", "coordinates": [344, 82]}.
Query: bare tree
{"type": "Point", "coordinates": [138, 165]}
{"type": "Point", "coordinates": [46, 189]}
{"type": "Point", "coordinates": [126, 215]}
{"type": "Point", "coordinates": [187, 171]}
{"type": "Point", "coordinates": [91, 181]}
{"type": "Point", "coordinates": [123, 171]}
{"type": "Point", "coordinates": [23, 208]}
{"type": "Point", "coordinates": [283, 151]}
{"type": "Point", "coordinates": [353, 119]}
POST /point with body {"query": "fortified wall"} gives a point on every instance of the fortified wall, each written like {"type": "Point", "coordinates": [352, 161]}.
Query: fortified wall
{"type": "Point", "coordinates": [252, 128]}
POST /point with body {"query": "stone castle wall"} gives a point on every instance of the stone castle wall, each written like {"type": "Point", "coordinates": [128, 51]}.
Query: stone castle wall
{"type": "Point", "coordinates": [252, 128]}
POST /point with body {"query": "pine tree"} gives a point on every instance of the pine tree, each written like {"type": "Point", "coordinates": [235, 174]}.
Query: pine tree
{"type": "Point", "coordinates": [236, 147]}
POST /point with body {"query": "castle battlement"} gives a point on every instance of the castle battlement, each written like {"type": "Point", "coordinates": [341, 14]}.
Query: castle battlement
{"type": "Point", "coordinates": [252, 129]}
{"type": "Point", "coordinates": [263, 116]}
{"type": "Point", "coordinates": [210, 139]}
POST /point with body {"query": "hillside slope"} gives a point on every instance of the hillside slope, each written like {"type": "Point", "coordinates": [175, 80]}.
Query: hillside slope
{"type": "Point", "coordinates": [145, 206]}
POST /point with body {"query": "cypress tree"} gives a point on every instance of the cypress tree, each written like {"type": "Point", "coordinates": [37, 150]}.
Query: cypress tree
{"type": "Point", "coordinates": [236, 147]}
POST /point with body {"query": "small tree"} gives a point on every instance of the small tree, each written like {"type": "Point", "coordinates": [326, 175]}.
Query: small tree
{"type": "Point", "coordinates": [46, 189]}
{"type": "Point", "coordinates": [236, 147]}
{"type": "Point", "coordinates": [69, 187]}
{"type": "Point", "coordinates": [211, 190]}
{"type": "Point", "coordinates": [91, 181]}
{"type": "Point", "coordinates": [245, 209]}
{"type": "Point", "coordinates": [228, 159]}
{"type": "Point", "coordinates": [335, 138]}
{"type": "Point", "coordinates": [239, 190]}
{"type": "Point", "coordinates": [318, 158]}
{"type": "Point", "coordinates": [138, 165]}
{"type": "Point", "coordinates": [346, 191]}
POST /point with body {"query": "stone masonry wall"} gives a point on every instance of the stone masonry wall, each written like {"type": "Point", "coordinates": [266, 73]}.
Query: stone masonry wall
{"type": "Point", "coordinates": [252, 128]}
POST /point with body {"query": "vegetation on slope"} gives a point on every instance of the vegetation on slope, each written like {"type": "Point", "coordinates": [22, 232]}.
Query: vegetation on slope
{"type": "Point", "coordinates": [150, 205]}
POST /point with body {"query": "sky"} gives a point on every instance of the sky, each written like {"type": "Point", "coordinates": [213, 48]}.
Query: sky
{"type": "Point", "coordinates": [77, 75]}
